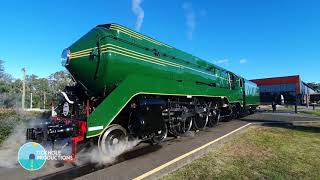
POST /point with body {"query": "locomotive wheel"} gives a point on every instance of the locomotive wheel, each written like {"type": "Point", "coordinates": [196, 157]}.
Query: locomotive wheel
{"type": "Point", "coordinates": [114, 141]}
{"type": "Point", "coordinates": [186, 125]}
{"type": "Point", "coordinates": [160, 136]}
{"type": "Point", "coordinates": [181, 127]}
{"type": "Point", "coordinates": [200, 121]}
{"type": "Point", "coordinates": [214, 118]}
{"type": "Point", "coordinates": [230, 114]}
{"type": "Point", "coordinates": [237, 112]}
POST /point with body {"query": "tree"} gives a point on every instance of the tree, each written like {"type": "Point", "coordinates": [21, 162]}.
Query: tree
{"type": "Point", "coordinates": [8, 98]}
{"type": "Point", "coordinates": [3, 75]}
{"type": "Point", "coordinates": [315, 86]}
{"type": "Point", "coordinates": [1, 68]}
{"type": "Point", "coordinates": [41, 88]}
{"type": "Point", "coordinates": [5, 79]}
{"type": "Point", "coordinates": [59, 80]}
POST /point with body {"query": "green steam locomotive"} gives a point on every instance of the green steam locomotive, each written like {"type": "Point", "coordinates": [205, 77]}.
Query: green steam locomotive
{"type": "Point", "coordinates": [131, 85]}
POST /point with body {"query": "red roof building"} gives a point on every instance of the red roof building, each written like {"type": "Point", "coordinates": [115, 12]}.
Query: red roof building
{"type": "Point", "coordinates": [291, 88]}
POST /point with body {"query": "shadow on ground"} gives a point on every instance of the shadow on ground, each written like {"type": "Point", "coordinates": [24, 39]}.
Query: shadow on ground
{"type": "Point", "coordinates": [78, 171]}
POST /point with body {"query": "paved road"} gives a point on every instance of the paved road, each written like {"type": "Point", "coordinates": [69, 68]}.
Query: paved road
{"type": "Point", "coordinates": [144, 157]}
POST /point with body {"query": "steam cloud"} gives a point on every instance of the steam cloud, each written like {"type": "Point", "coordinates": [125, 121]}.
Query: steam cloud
{"type": "Point", "coordinates": [94, 155]}
{"type": "Point", "coordinates": [190, 16]}
{"type": "Point", "coordinates": [189, 134]}
{"type": "Point", "coordinates": [222, 62]}
{"type": "Point", "coordinates": [10, 147]}
{"type": "Point", "coordinates": [243, 61]}
{"type": "Point", "coordinates": [139, 12]}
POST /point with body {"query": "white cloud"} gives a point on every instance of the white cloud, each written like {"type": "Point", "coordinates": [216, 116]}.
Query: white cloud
{"type": "Point", "coordinates": [139, 12]}
{"type": "Point", "coordinates": [243, 61]}
{"type": "Point", "coordinates": [190, 16]}
{"type": "Point", "coordinates": [222, 62]}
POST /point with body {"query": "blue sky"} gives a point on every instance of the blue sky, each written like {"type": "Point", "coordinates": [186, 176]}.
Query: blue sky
{"type": "Point", "coordinates": [256, 39]}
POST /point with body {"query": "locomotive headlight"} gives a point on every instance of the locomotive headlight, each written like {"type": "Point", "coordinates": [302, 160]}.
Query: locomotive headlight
{"type": "Point", "coordinates": [65, 57]}
{"type": "Point", "coordinates": [65, 109]}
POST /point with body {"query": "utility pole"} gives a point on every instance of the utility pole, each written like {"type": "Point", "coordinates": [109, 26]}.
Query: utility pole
{"type": "Point", "coordinates": [30, 100]}
{"type": "Point", "coordinates": [44, 100]}
{"type": "Point", "coordinates": [23, 87]}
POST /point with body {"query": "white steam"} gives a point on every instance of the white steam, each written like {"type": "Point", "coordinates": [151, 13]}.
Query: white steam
{"type": "Point", "coordinates": [189, 134]}
{"type": "Point", "coordinates": [94, 155]}
{"type": "Point", "coordinates": [139, 12]}
{"type": "Point", "coordinates": [222, 62]}
{"type": "Point", "coordinates": [10, 147]}
{"type": "Point", "coordinates": [190, 16]}
{"type": "Point", "coordinates": [243, 61]}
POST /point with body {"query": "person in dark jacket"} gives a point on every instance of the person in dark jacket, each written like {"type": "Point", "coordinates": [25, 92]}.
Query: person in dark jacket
{"type": "Point", "coordinates": [274, 106]}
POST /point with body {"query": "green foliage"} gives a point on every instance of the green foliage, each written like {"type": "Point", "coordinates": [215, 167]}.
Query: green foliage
{"type": "Point", "coordinates": [315, 86]}
{"type": "Point", "coordinates": [10, 118]}
{"type": "Point", "coordinates": [45, 88]}
{"type": "Point", "coordinates": [41, 88]}
{"type": "Point", "coordinates": [59, 80]}
{"type": "Point", "coordinates": [315, 112]}
{"type": "Point", "coordinates": [1, 68]}
{"type": "Point", "coordinates": [4, 87]}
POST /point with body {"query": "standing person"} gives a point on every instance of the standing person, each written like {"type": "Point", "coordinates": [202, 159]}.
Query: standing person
{"type": "Point", "coordinates": [274, 106]}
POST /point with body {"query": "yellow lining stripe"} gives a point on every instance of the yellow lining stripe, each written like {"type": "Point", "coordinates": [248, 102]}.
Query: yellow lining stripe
{"type": "Point", "coordinates": [127, 33]}
{"type": "Point", "coordinates": [131, 32]}
{"type": "Point", "coordinates": [188, 154]}
{"type": "Point", "coordinates": [135, 34]}
{"type": "Point", "coordinates": [86, 50]}
{"type": "Point", "coordinates": [82, 51]}
{"type": "Point", "coordinates": [139, 36]}
{"type": "Point", "coordinates": [111, 51]}
{"type": "Point", "coordinates": [128, 55]}
{"type": "Point", "coordinates": [166, 61]}
{"type": "Point", "coordinates": [147, 56]}
{"type": "Point", "coordinates": [108, 46]}
{"type": "Point", "coordinates": [78, 56]}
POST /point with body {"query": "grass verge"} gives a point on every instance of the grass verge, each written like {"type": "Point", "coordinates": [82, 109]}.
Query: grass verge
{"type": "Point", "coordinates": [315, 113]}
{"type": "Point", "coordinates": [261, 153]}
